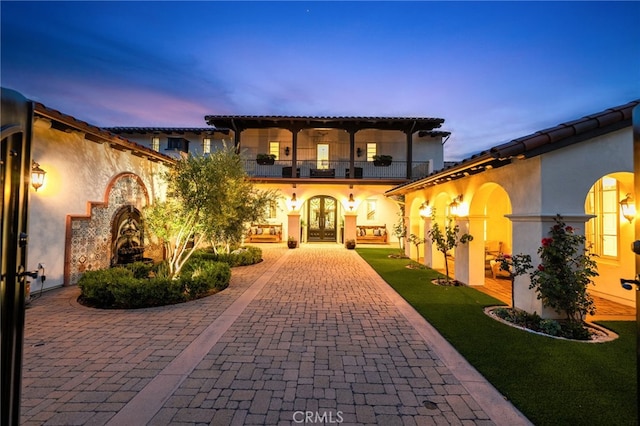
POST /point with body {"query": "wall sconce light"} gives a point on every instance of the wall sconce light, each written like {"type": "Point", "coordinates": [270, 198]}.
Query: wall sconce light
{"type": "Point", "coordinates": [425, 210]}
{"type": "Point", "coordinates": [628, 208]}
{"type": "Point", "coordinates": [456, 208]}
{"type": "Point", "coordinates": [294, 201]}
{"type": "Point", "coordinates": [287, 151]}
{"type": "Point", "coordinates": [359, 152]}
{"type": "Point", "coordinates": [351, 202]}
{"type": "Point", "coordinates": [37, 175]}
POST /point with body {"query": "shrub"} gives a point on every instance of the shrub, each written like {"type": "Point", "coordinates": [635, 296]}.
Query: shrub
{"type": "Point", "coordinates": [139, 269]}
{"type": "Point", "coordinates": [566, 270]}
{"type": "Point", "coordinates": [128, 292]}
{"type": "Point", "coordinates": [119, 288]}
{"type": "Point", "coordinates": [550, 327]}
{"type": "Point", "coordinates": [200, 276]}
{"type": "Point", "coordinates": [96, 286]}
{"type": "Point", "coordinates": [575, 330]}
{"type": "Point", "coordinates": [244, 256]}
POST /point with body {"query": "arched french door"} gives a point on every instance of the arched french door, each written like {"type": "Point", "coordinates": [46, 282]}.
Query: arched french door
{"type": "Point", "coordinates": [321, 217]}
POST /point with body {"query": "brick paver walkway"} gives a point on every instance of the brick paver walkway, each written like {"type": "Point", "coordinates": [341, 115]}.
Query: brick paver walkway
{"type": "Point", "coordinates": [308, 335]}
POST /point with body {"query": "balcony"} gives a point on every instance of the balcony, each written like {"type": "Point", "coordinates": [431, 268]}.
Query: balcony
{"type": "Point", "coordinates": [397, 170]}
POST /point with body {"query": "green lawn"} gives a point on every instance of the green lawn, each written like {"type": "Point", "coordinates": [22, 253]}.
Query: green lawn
{"type": "Point", "coordinates": [553, 382]}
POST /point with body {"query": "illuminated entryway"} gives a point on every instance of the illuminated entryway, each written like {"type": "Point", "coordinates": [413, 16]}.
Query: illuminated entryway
{"type": "Point", "coordinates": [609, 234]}
{"type": "Point", "coordinates": [322, 217]}
{"type": "Point", "coordinates": [492, 232]}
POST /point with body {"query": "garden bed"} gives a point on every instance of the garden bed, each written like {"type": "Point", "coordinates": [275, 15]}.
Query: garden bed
{"type": "Point", "coordinates": [557, 329]}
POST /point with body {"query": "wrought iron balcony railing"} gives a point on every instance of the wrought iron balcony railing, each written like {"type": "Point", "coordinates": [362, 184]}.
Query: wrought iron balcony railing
{"type": "Point", "coordinates": [337, 169]}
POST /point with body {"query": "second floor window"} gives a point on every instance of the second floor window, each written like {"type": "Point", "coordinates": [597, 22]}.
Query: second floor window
{"type": "Point", "coordinates": [206, 146]}
{"type": "Point", "coordinates": [372, 149]}
{"type": "Point", "coordinates": [274, 149]}
{"type": "Point", "coordinates": [178, 144]}
{"type": "Point", "coordinates": [155, 143]}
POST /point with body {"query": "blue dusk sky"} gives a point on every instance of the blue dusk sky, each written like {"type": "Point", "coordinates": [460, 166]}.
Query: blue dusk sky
{"type": "Point", "coordinates": [494, 71]}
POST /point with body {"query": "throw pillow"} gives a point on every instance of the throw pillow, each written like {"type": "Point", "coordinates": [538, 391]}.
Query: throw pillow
{"type": "Point", "coordinates": [259, 231]}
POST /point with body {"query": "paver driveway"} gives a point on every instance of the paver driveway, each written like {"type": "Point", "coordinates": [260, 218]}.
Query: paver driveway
{"type": "Point", "coordinates": [311, 335]}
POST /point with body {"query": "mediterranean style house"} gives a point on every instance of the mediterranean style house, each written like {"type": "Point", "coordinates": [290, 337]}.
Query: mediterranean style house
{"type": "Point", "coordinates": [508, 196]}
{"type": "Point", "coordinates": [327, 169]}
{"type": "Point", "coordinates": [341, 178]}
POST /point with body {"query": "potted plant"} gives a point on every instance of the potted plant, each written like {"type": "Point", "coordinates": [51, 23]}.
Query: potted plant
{"type": "Point", "coordinates": [350, 244]}
{"type": "Point", "coordinates": [291, 242]}
{"type": "Point", "coordinates": [382, 160]}
{"type": "Point", "coordinates": [264, 159]}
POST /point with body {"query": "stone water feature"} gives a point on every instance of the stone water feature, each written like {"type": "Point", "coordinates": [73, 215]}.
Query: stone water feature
{"type": "Point", "coordinates": [127, 236]}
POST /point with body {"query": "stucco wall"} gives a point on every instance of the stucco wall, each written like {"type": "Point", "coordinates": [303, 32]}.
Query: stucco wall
{"type": "Point", "coordinates": [537, 189]}
{"type": "Point", "coordinates": [78, 172]}
{"type": "Point", "coordinates": [386, 214]}
{"type": "Point", "coordinates": [568, 174]}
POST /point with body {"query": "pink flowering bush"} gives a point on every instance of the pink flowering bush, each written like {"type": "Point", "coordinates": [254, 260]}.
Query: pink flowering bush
{"type": "Point", "coordinates": [565, 271]}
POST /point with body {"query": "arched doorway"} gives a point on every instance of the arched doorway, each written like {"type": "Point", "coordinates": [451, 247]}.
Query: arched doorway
{"type": "Point", "coordinates": [492, 232]}
{"type": "Point", "coordinates": [322, 218]}
{"type": "Point", "coordinates": [608, 235]}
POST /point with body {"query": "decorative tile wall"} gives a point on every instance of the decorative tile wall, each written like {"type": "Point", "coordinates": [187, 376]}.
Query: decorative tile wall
{"type": "Point", "coordinates": [88, 244]}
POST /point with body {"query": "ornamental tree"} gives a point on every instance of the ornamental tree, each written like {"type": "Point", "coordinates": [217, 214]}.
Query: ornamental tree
{"type": "Point", "coordinates": [517, 264]}
{"type": "Point", "coordinates": [210, 198]}
{"type": "Point", "coordinates": [447, 238]}
{"type": "Point", "coordinates": [417, 241]}
{"type": "Point", "coordinates": [565, 271]}
{"type": "Point", "coordinates": [400, 229]}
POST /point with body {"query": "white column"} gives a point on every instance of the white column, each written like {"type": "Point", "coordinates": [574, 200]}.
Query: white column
{"type": "Point", "coordinates": [462, 252]}
{"type": "Point", "coordinates": [293, 225]}
{"type": "Point", "coordinates": [476, 250]}
{"type": "Point", "coordinates": [428, 247]}
{"type": "Point", "coordinates": [350, 226]}
{"type": "Point", "coordinates": [528, 232]}
{"type": "Point", "coordinates": [407, 244]}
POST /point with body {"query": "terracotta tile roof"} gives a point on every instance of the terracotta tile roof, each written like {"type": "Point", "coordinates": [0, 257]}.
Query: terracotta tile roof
{"type": "Point", "coordinates": [532, 145]}
{"type": "Point", "coordinates": [92, 133]}
{"type": "Point", "coordinates": [241, 122]}
{"type": "Point", "coordinates": [166, 130]}
{"type": "Point", "coordinates": [566, 133]}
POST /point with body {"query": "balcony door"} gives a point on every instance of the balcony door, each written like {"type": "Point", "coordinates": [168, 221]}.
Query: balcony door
{"type": "Point", "coordinates": [322, 219]}
{"type": "Point", "coordinates": [322, 156]}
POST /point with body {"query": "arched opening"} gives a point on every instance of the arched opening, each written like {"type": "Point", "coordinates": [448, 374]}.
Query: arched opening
{"type": "Point", "coordinates": [492, 232]}
{"type": "Point", "coordinates": [322, 219]}
{"type": "Point", "coordinates": [417, 227]}
{"type": "Point", "coordinates": [609, 234]}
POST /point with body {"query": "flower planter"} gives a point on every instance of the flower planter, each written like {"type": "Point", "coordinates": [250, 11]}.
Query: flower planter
{"type": "Point", "coordinates": [292, 244]}
{"type": "Point", "coordinates": [265, 161]}
{"type": "Point", "coordinates": [382, 163]}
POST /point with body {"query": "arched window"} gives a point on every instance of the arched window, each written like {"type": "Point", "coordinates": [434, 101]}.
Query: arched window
{"type": "Point", "coordinates": [602, 231]}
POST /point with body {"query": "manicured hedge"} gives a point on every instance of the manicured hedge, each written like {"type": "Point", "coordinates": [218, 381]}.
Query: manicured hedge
{"type": "Point", "coordinates": [140, 285]}
{"type": "Point", "coordinates": [243, 256]}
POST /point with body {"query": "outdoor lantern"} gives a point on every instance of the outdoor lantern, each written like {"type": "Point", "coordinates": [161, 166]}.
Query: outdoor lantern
{"type": "Point", "coordinates": [294, 201]}
{"type": "Point", "coordinates": [456, 208]}
{"type": "Point", "coordinates": [628, 208]}
{"type": "Point", "coordinates": [37, 175]}
{"type": "Point", "coordinates": [287, 150]}
{"type": "Point", "coordinates": [425, 210]}
{"type": "Point", "coordinates": [351, 202]}
{"type": "Point", "coordinates": [359, 152]}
